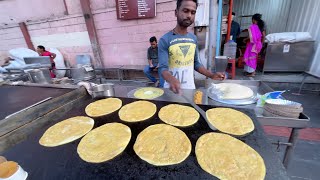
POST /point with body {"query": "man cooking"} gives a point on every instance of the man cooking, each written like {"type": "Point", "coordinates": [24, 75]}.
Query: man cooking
{"type": "Point", "coordinates": [42, 52]}
{"type": "Point", "coordinates": [178, 52]}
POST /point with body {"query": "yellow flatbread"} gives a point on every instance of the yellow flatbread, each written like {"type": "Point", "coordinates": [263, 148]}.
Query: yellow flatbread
{"type": "Point", "coordinates": [137, 111]}
{"type": "Point", "coordinates": [230, 121]}
{"type": "Point", "coordinates": [104, 143]}
{"type": "Point", "coordinates": [233, 91]}
{"type": "Point", "coordinates": [103, 107]}
{"type": "Point", "coordinates": [229, 158]}
{"type": "Point", "coordinates": [162, 145]}
{"type": "Point", "coordinates": [148, 93]}
{"type": "Point", "coordinates": [179, 115]}
{"type": "Point", "coordinates": [66, 131]}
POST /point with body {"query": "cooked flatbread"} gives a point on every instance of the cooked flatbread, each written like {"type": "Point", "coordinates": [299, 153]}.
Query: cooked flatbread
{"type": "Point", "coordinates": [148, 93]}
{"type": "Point", "coordinates": [137, 111]}
{"type": "Point", "coordinates": [234, 91]}
{"type": "Point", "coordinates": [229, 158]}
{"type": "Point", "coordinates": [178, 115]}
{"type": "Point", "coordinates": [103, 107]}
{"type": "Point", "coordinates": [66, 131]}
{"type": "Point", "coordinates": [230, 121]}
{"type": "Point", "coordinates": [162, 145]}
{"type": "Point", "coordinates": [104, 143]}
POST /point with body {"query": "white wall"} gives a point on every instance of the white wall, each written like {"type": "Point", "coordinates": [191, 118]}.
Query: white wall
{"type": "Point", "coordinates": [304, 16]}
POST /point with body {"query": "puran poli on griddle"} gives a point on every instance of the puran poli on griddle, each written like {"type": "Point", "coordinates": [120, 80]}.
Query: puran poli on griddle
{"type": "Point", "coordinates": [229, 158]}
{"type": "Point", "coordinates": [103, 107]}
{"type": "Point", "coordinates": [66, 131]}
{"type": "Point", "coordinates": [148, 93]}
{"type": "Point", "coordinates": [104, 143]}
{"type": "Point", "coordinates": [232, 91]}
{"type": "Point", "coordinates": [230, 121]}
{"type": "Point", "coordinates": [179, 115]}
{"type": "Point", "coordinates": [162, 145]}
{"type": "Point", "coordinates": [137, 111]}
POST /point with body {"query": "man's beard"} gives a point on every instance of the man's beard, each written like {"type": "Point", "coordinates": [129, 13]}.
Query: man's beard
{"type": "Point", "coordinates": [185, 22]}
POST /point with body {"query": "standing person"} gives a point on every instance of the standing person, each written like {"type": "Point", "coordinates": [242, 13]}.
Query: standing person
{"type": "Point", "coordinates": [254, 46]}
{"type": "Point", "coordinates": [178, 52]}
{"type": "Point", "coordinates": [235, 28]}
{"type": "Point", "coordinates": [42, 52]}
{"type": "Point", "coordinates": [152, 56]}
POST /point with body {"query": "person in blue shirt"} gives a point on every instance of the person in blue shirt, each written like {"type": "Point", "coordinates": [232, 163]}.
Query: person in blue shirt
{"type": "Point", "coordinates": [178, 52]}
{"type": "Point", "coordinates": [152, 56]}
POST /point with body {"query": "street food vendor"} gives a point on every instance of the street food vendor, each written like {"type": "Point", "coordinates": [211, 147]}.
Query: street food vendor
{"type": "Point", "coordinates": [43, 52]}
{"type": "Point", "coordinates": [178, 52]}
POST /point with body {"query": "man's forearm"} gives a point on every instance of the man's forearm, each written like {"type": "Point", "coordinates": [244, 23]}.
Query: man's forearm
{"type": "Point", "coordinates": [150, 62]}
{"type": "Point", "coordinates": [205, 72]}
{"type": "Point", "coordinates": [167, 76]}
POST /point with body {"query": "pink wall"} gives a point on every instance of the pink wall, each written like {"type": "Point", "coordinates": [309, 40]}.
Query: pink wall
{"type": "Point", "coordinates": [121, 42]}
{"type": "Point", "coordinates": [11, 38]}
{"type": "Point", "coordinates": [22, 10]}
{"type": "Point", "coordinates": [125, 42]}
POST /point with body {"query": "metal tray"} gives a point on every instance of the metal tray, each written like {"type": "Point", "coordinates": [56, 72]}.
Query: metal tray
{"type": "Point", "coordinates": [247, 101]}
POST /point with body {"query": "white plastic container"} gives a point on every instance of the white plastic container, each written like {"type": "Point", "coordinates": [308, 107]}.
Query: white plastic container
{"type": "Point", "coordinates": [19, 175]}
{"type": "Point", "coordinates": [230, 49]}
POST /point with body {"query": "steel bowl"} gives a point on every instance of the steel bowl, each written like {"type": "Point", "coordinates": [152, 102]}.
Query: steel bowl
{"type": "Point", "coordinates": [103, 90]}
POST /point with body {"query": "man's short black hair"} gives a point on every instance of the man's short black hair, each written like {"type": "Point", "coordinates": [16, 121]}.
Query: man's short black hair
{"type": "Point", "coordinates": [153, 39]}
{"type": "Point", "coordinates": [233, 13]}
{"type": "Point", "coordinates": [180, 1]}
{"type": "Point", "coordinates": [42, 47]}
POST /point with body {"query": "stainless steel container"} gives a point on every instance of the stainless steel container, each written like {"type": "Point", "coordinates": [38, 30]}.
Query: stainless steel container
{"type": "Point", "coordinates": [41, 76]}
{"type": "Point", "coordinates": [221, 63]}
{"type": "Point", "coordinates": [103, 90]}
{"type": "Point", "coordinates": [80, 73]}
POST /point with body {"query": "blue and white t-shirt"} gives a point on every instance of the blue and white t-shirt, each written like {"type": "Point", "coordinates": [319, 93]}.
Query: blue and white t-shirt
{"type": "Point", "coordinates": [178, 54]}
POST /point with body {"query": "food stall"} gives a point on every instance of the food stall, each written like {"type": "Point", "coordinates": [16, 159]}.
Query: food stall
{"type": "Point", "coordinates": [19, 139]}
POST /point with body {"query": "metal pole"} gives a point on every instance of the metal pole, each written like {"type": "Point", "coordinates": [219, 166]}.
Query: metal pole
{"type": "Point", "coordinates": [219, 28]}
{"type": "Point", "coordinates": [229, 20]}
{"type": "Point", "coordinates": [211, 34]}
{"type": "Point", "coordinates": [290, 149]}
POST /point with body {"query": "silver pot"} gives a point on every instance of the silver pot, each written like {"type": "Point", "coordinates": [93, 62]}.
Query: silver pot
{"type": "Point", "coordinates": [81, 74]}
{"type": "Point", "coordinates": [41, 76]}
{"type": "Point", "coordinates": [103, 90]}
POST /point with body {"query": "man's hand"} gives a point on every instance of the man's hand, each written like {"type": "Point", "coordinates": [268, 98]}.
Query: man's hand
{"type": "Point", "coordinates": [151, 66]}
{"type": "Point", "coordinates": [218, 76]}
{"type": "Point", "coordinates": [175, 85]}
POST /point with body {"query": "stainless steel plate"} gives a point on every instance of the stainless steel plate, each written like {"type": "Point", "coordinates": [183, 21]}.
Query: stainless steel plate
{"type": "Point", "coordinates": [247, 101]}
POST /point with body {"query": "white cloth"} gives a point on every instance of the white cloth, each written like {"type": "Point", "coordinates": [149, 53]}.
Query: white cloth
{"type": "Point", "coordinates": [290, 37]}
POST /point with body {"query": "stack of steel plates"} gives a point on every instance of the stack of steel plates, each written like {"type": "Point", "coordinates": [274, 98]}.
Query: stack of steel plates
{"type": "Point", "coordinates": [282, 108]}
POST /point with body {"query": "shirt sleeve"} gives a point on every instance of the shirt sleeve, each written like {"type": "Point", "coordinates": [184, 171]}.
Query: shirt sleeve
{"type": "Point", "coordinates": [148, 54]}
{"type": "Point", "coordinates": [163, 55]}
{"type": "Point", "coordinates": [197, 63]}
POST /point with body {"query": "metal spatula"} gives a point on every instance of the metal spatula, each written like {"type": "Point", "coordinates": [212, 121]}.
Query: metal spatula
{"type": "Point", "coordinates": [202, 113]}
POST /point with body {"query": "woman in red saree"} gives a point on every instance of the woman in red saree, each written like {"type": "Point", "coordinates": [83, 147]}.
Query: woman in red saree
{"type": "Point", "coordinates": [254, 46]}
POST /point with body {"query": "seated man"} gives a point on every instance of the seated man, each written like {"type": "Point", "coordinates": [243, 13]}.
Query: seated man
{"type": "Point", "coordinates": [152, 60]}
{"type": "Point", "coordinates": [42, 52]}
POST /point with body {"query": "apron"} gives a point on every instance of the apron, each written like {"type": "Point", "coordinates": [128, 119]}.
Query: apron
{"type": "Point", "coordinates": [181, 64]}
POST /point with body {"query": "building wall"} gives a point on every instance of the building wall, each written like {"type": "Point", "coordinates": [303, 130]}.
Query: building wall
{"type": "Point", "coordinates": [275, 13]}
{"type": "Point", "coordinates": [14, 11]}
{"type": "Point", "coordinates": [126, 41]}
{"type": "Point", "coordinates": [10, 38]}
{"type": "Point", "coordinates": [122, 42]}
{"type": "Point", "coordinates": [304, 16]}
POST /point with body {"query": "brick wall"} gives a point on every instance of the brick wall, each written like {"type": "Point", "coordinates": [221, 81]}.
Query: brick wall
{"type": "Point", "coordinates": [10, 38]}
{"type": "Point", "coordinates": [126, 41]}
{"type": "Point", "coordinates": [44, 33]}
{"type": "Point", "coordinates": [122, 42]}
